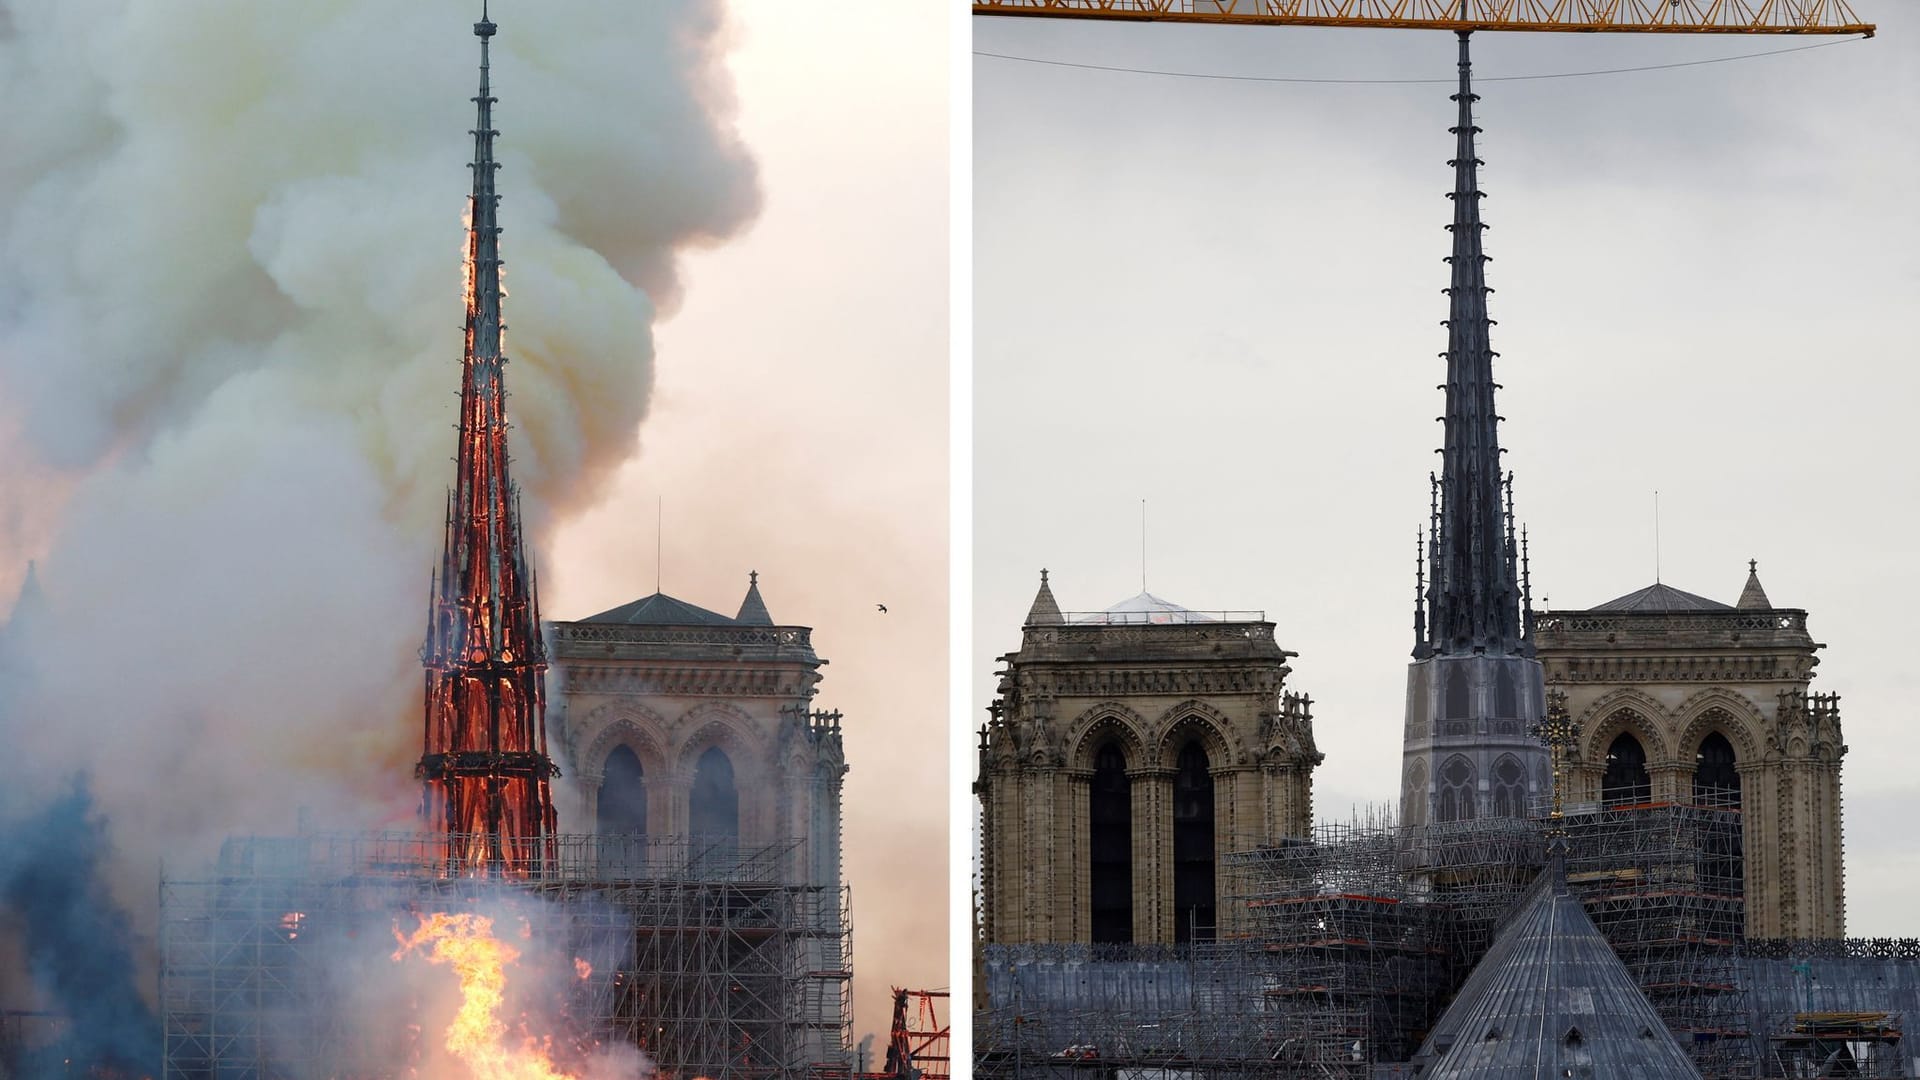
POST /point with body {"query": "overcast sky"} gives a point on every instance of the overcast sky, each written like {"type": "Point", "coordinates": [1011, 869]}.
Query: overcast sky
{"type": "Point", "coordinates": [799, 428]}
{"type": "Point", "coordinates": [1224, 297]}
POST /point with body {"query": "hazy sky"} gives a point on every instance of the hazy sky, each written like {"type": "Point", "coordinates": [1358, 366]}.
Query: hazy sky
{"type": "Point", "coordinates": [1224, 297]}
{"type": "Point", "coordinates": [799, 428]}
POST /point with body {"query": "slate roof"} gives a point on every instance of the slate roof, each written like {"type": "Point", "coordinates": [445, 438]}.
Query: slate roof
{"type": "Point", "coordinates": [1753, 596]}
{"type": "Point", "coordinates": [1658, 597]}
{"type": "Point", "coordinates": [1550, 999]}
{"type": "Point", "coordinates": [661, 610]}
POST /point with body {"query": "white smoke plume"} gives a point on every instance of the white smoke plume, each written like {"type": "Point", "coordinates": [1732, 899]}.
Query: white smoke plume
{"type": "Point", "coordinates": [229, 339]}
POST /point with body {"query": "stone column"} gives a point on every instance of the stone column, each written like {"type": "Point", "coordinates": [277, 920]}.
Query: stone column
{"type": "Point", "coordinates": [1078, 881]}
{"type": "Point", "coordinates": [1153, 856]}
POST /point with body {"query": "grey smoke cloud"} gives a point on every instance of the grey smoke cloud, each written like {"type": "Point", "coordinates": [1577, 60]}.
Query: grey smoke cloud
{"type": "Point", "coordinates": [229, 344]}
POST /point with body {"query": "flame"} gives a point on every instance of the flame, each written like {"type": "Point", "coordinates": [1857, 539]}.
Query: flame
{"type": "Point", "coordinates": [582, 968]}
{"type": "Point", "coordinates": [478, 1037]}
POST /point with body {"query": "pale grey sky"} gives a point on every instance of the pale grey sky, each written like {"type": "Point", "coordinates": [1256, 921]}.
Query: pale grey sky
{"type": "Point", "coordinates": [1224, 297]}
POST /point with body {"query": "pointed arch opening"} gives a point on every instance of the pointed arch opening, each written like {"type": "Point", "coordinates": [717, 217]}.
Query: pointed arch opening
{"type": "Point", "coordinates": [1457, 783]}
{"type": "Point", "coordinates": [622, 806]}
{"type": "Point", "coordinates": [713, 813]}
{"type": "Point", "coordinates": [1413, 794]}
{"type": "Point", "coordinates": [1716, 779]}
{"type": "Point", "coordinates": [1626, 780]}
{"type": "Point", "coordinates": [1509, 788]}
{"type": "Point", "coordinates": [1193, 896]}
{"type": "Point", "coordinates": [1110, 846]}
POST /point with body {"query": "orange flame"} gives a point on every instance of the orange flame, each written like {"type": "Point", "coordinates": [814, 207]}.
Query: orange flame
{"type": "Point", "coordinates": [478, 1037]}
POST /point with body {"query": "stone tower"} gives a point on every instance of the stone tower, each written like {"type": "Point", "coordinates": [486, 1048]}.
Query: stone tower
{"type": "Point", "coordinates": [1127, 750]}
{"type": "Point", "coordinates": [1474, 687]}
{"type": "Point", "coordinates": [679, 722]}
{"type": "Point", "coordinates": [1685, 699]}
{"type": "Point", "coordinates": [484, 766]}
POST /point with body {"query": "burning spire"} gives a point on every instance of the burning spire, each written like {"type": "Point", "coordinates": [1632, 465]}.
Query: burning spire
{"type": "Point", "coordinates": [1473, 599]}
{"type": "Point", "coordinates": [485, 766]}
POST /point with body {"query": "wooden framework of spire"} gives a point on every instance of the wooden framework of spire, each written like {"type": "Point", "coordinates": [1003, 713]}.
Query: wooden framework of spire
{"type": "Point", "coordinates": [1567, 16]}
{"type": "Point", "coordinates": [484, 767]}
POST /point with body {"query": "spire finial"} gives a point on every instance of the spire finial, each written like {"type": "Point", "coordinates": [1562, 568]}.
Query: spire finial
{"type": "Point", "coordinates": [1043, 575]}
{"type": "Point", "coordinates": [1753, 566]}
{"type": "Point", "coordinates": [753, 577]}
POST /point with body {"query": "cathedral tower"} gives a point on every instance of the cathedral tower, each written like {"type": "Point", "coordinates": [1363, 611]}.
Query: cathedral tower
{"type": "Point", "coordinates": [1474, 687]}
{"type": "Point", "coordinates": [485, 767]}
{"type": "Point", "coordinates": [1128, 751]}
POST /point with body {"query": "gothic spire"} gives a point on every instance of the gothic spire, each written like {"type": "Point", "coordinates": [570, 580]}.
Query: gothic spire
{"type": "Point", "coordinates": [1473, 598]}
{"type": "Point", "coordinates": [1045, 610]}
{"type": "Point", "coordinates": [753, 610]}
{"type": "Point", "coordinates": [485, 762]}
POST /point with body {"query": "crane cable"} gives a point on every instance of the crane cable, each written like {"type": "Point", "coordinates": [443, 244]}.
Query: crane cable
{"type": "Point", "coordinates": [1383, 82]}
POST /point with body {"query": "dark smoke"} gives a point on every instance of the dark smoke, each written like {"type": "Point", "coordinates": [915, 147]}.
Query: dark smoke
{"type": "Point", "coordinates": [79, 944]}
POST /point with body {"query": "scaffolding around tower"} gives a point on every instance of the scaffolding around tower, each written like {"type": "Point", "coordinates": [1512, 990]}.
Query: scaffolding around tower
{"type": "Point", "coordinates": [703, 958]}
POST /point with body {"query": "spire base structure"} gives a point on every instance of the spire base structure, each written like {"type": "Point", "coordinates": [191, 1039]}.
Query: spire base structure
{"type": "Point", "coordinates": [484, 769]}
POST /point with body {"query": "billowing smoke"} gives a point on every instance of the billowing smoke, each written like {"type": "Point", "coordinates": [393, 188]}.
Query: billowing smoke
{"type": "Point", "coordinates": [229, 341]}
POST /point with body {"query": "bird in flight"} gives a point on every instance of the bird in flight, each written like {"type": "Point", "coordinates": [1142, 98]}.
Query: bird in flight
{"type": "Point", "coordinates": [882, 607]}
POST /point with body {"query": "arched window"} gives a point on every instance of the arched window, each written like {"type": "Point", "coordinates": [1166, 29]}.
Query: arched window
{"type": "Point", "coordinates": [1715, 780]}
{"type": "Point", "coordinates": [623, 796]}
{"type": "Point", "coordinates": [1626, 779]}
{"type": "Point", "coordinates": [714, 813]}
{"type": "Point", "coordinates": [1413, 796]}
{"type": "Point", "coordinates": [1456, 802]}
{"type": "Point", "coordinates": [1458, 693]}
{"type": "Point", "coordinates": [1506, 694]}
{"type": "Point", "coordinates": [1110, 846]}
{"type": "Point", "coordinates": [1717, 783]}
{"type": "Point", "coordinates": [1509, 788]}
{"type": "Point", "coordinates": [1193, 911]}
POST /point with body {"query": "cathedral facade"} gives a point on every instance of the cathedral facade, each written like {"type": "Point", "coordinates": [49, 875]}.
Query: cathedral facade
{"type": "Point", "coordinates": [1127, 749]}
{"type": "Point", "coordinates": [679, 723]}
{"type": "Point", "coordinates": [1682, 699]}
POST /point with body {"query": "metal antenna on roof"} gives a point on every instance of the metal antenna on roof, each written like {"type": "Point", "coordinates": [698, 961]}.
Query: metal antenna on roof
{"type": "Point", "coordinates": [659, 534]}
{"type": "Point", "coordinates": [1656, 536]}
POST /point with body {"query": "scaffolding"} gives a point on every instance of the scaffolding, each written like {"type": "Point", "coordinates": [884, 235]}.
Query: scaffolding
{"type": "Point", "coordinates": [1342, 949]}
{"type": "Point", "coordinates": [698, 954]}
{"type": "Point", "coordinates": [1664, 882]}
{"type": "Point", "coordinates": [1818, 1044]}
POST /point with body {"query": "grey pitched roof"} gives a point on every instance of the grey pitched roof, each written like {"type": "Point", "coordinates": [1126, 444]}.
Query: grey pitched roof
{"type": "Point", "coordinates": [1045, 611]}
{"type": "Point", "coordinates": [660, 610]}
{"type": "Point", "coordinates": [1550, 998]}
{"type": "Point", "coordinates": [1753, 596]}
{"type": "Point", "coordinates": [753, 610]}
{"type": "Point", "coordinates": [1658, 597]}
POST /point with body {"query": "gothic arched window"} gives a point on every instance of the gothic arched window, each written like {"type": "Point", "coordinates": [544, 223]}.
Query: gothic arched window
{"type": "Point", "coordinates": [1193, 908]}
{"type": "Point", "coordinates": [1626, 779]}
{"type": "Point", "coordinates": [1459, 695]}
{"type": "Point", "coordinates": [1413, 797]}
{"type": "Point", "coordinates": [1509, 788]}
{"type": "Point", "coordinates": [623, 796]}
{"type": "Point", "coordinates": [1716, 781]}
{"type": "Point", "coordinates": [1110, 846]}
{"type": "Point", "coordinates": [1506, 694]}
{"type": "Point", "coordinates": [1456, 802]}
{"type": "Point", "coordinates": [714, 810]}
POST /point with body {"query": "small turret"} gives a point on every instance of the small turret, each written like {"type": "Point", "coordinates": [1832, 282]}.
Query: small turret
{"type": "Point", "coordinates": [1753, 597]}
{"type": "Point", "coordinates": [753, 610]}
{"type": "Point", "coordinates": [1045, 611]}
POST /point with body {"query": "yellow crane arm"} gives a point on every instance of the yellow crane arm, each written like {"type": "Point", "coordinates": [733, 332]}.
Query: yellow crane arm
{"type": "Point", "coordinates": [1573, 16]}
